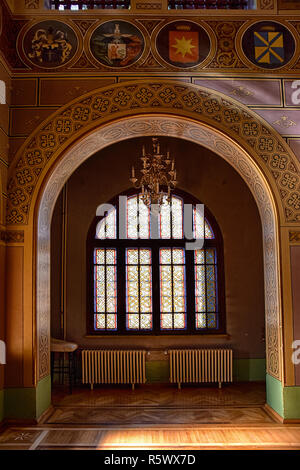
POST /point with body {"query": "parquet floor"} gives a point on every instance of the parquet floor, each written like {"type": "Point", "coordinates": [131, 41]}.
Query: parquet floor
{"type": "Point", "coordinates": [156, 417]}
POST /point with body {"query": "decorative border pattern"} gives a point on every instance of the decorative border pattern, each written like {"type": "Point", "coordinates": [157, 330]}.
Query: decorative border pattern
{"type": "Point", "coordinates": [225, 37]}
{"type": "Point", "coordinates": [12, 236]}
{"type": "Point", "coordinates": [267, 4]}
{"type": "Point", "coordinates": [33, 4]}
{"type": "Point", "coordinates": [97, 107]}
{"type": "Point", "coordinates": [294, 236]}
{"type": "Point", "coordinates": [179, 127]}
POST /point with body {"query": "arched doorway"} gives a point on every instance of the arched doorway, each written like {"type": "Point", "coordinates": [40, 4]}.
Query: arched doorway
{"type": "Point", "coordinates": [187, 112]}
{"type": "Point", "coordinates": [141, 126]}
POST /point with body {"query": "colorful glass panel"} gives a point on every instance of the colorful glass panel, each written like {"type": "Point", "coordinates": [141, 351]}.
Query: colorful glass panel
{"type": "Point", "coordinates": [206, 288]}
{"type": "Point", "coordinates": [105, 289]}
{"type": "Point", "coordinates": [138, 218]}
{"type": "Point", "coordinates": [106, 228]}
{"type": "Point", "coordinates": [172, 289]}
{"type": "Point", "coordinates": [199, 230]}
{"type": "Point", "coordinates": [138, 289]}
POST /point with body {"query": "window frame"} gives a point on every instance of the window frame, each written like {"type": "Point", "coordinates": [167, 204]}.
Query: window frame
{"type": "Point", "coordinates": [155, 245]}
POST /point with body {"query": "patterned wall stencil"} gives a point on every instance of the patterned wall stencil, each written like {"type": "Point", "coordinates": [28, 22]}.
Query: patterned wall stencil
{"type": "Point", "coordinates": [120, 100]}
{"type": "Point", "coordinates": [268, 45]}
{"type": "Point", "coordinates": [183, 44]}
{"type": "Point", "coordinates": [50, 44]}
{"type": "Point", "coordinates": [117, 44]}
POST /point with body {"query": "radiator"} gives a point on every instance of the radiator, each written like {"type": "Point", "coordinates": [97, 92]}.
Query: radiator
{"type": "Point", "coordinates": [113, 367]}
{"type": "Point", "coordinates": [200, 365]}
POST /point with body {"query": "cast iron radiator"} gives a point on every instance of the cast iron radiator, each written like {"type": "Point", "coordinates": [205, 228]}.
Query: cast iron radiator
{"type": "Point", "coordinates": [200, 365]}
{"type": "Point", "coordinates": [113, 367]}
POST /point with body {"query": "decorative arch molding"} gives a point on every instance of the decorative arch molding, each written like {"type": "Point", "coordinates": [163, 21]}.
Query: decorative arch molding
{"type": "Point", "coordinates": [184, 128]}
{"type": "Point", "coordinates": [270, 152]}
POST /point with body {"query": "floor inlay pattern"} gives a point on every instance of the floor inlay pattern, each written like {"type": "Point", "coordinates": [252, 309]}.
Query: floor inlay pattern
{"type": "Point", "coordinates": [155, 417]}
{"type": "Point", "coordinates": [131, 416]}
{"type": "Point", "coordinates": [206, 437]}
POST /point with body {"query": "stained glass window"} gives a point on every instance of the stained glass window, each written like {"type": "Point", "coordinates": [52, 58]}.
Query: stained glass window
{"type": "Point", "coordinates": [106, 228]}
{"type": "Point", "coordinates": [105, 289]}
{"type": "Point", "coordinates": [144, 284]}
{"type": "Point", "coordinates": [206, 288]}
{"type": "Point", "coordinates": [138, 289]}
{"type": "Point", "coordinates": [172, 289]}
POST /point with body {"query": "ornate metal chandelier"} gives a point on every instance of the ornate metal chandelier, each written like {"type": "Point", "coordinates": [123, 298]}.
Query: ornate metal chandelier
{"type": "Point", "coordinates": [158, 175]}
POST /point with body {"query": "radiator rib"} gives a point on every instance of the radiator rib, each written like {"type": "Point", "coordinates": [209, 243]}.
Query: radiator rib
{"type": "Point", "coordinates": [113, 367]}
{"type": "Point", "coordinates": [200, 365]}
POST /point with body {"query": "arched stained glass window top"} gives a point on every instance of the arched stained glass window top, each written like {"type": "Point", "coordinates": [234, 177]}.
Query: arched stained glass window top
{"type": "Point", "coordinates": [138, 221]}
{"type": "Point", "coordinates": [146, 284]}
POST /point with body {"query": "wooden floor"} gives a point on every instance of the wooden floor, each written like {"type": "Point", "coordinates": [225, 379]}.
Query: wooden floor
{"type": "Point", "coordinates": [156, 417]}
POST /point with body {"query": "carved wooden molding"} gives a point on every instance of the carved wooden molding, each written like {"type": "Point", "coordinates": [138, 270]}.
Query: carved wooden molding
{"type": "Point", "coordinates": [267, 4]}
{"type": "Point", "coordinates": [31, 4]}
{"type": "Point", "coordinates": [12, 236]}
{"type": "Point", "coordinates": [294, 236]}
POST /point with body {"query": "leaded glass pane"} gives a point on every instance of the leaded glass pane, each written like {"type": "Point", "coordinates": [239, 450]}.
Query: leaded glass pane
{"type": "Point", "coordinates": [110, 257]}
{"type": "Point", "coordinates": [146, 306]}
{"type": "Point", "coordinates": [100, 304]}
{"type": "Point", "coordinates": [132, 217]}
{"type": "Point", "coordinates": [166, 321]}
{"type": "Point", "coordinates": [208, 231]}
{"type": "Point", "coordinates": [199, 257]}
{"type": "Point", "coordinates": [99, 257]}
{"type": "Point", "coordinates": [132, 256]}
{"type": "Point", "coordinates": [165, 256]}
{"type": "Point", "coordinates": [165, 220]}
{"type": "Point", "coordinates": [138, 218]}
{"type": "Point", "coordinates": [138, 288]}
{"type": "Point", "coordinates": [145, 256]}
{"type": "Point", "coordinates": [178, 256]}
{"type": "Point", "coordinates": [211, 256]}
{"type": "Point", "coordinates": [200, 320]}
{"type": "Point", "coordinates": [105, 288]}
{"type": "Point", "coordinates": [177, 218]}
{"type": "Point", "coordinates": [179, 321]}
{"type": "Point", "coordinates": [172, 287]}
{"type": "Point", "coordinates": [107, 226]}
{"type": "Point", "coordinates": [211, 320]}
{"type": "Point", "coordinates": [199, 229]}
{"type": "Point", "coordinates": [110, 273]}
{"type": "Point", "coordinates": [133, 321]}
{"type": "Point", "coordinates": [179, 304]}
{"type": "Point", "coordinates": [206, 288]}
{"type": "Point", "coordinates": [111, 304]}
{"type": "Point", "coordinates": [100, 321]}
{"type": "Point", "coordinates": [143, 220]}
{"type": "Point", "coordinates": [146, 322]}
{"type": "Point", "coordinates": [111, 321]}
{"type": "Point", "coordinates": [165, 303]}
{"type": "Point", "coordinates": [198, 225]}
{"type": "Point", "coordinates": [99, 278]}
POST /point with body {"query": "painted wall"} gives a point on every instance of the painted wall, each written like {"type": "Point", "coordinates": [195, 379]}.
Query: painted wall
{"type": "Point", "coordinates": [213, 181]}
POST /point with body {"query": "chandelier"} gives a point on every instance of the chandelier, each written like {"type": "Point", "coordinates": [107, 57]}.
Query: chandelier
{"type": "Point", "coordinates": [158, 175]}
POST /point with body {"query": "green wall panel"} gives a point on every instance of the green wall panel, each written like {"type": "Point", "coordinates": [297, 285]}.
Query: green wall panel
{"type": "Point", "coordinates": [27, 403]}
{"type": "Point", "coordinates": [291, 402]}
{"type": "Point", "coordinates": [249, 370]}
{"type": "Point", "coordinates": [274, 394]}
{"type": "Point", "coordinates": [157, 371]}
